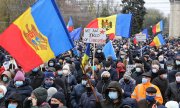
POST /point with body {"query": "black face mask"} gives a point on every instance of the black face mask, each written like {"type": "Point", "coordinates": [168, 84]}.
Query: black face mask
{"type": "Point", "coordinates": [88, 89]}
{"type": "Point", "coordinates": [126, 80]}
{"type": "Point", "coordinates": [105, 78]}
{"type": "Point", "coordinates": [54, 105]}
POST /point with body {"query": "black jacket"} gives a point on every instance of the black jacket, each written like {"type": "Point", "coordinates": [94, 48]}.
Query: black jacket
{"type": "Point", "coordinates": [113, 74]}
{"type": "Point", "coordinates": [144, 104]}
{"type": "Point", "coordinates": [162, 84]}
{"type": "Point", "coordinates": [173, 92]}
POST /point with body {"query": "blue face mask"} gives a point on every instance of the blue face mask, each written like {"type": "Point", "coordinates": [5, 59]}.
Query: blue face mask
{"type": "Point", "coordinates": [5, 79]}
{"type": "Point", "coordinates": [113, 95]}
{"type": "Point", "coordinates": [1, 95]}
{"type": "Point", "coordinates": [150, 98]}
{"type": "Point", "coordinates": [48, 84]}
{"type": "Point", "coordinates": [60, 73]}
{"type": "Point", "coordinates": [94, 67]}
{"type": "Point", "coordinates": [19, 83]}
{"type": "Point", "coordinates": [12, 106]}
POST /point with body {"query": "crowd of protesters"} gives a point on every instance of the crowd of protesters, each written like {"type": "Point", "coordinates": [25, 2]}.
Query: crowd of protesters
{"type": "Point", "coordinates": [153, 81]}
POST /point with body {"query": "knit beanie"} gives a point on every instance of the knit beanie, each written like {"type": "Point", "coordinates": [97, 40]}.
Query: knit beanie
{"type": "Point", "coordinates": [19, 76]}
{"type": "Point", "coordinates": [51, 91]}
{"type": "Point", "coordinates": [3, 88]}
{"type": "Point", "coordinates": [105, 72]}
{"type": "Point", "coordinates": [172, 104]}
{"type": "Point", "coordinates": [60, 96]}
{"type": "Point", "coordinates": [41, 95]}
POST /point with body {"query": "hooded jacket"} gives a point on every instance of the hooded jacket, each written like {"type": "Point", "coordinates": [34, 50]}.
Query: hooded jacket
{"type": "Point", "coordinates": [15, 97]}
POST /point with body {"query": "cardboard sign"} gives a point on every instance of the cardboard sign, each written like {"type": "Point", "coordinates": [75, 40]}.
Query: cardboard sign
{"type": "Point", "coordinates": [141, 37]}
{"type": "Point", "coordinates": [94, 35]}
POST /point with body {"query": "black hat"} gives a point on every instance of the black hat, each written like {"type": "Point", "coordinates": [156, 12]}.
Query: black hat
{"type": "Point", "coordinates": [68, 60]}
{"type": "Point", "coordinates": [59, 96]}
{"type": "Point", "coordinates": [147, 74]}
{"type": "Point", "coordinates": [162, 71]}
{"type": "Point", "coordinates": [107, 64]}
{"type": "Point", "coordinates": [151, 90]}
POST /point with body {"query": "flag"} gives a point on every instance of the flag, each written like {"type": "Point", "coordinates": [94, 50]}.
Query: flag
{"type": "Point", "coordinates": [118, 25]}
{"type": "Point", "coordinates": [37, 36]}
{"type": "Point", "coordinates": [108, 50]}
{"type": "Point", "coordinates": [158, 27]}
{"type": "Point", "coordinates": [158, 41]}
{"type": "Point", "coordinates": [86, 55]}
{"type": "Point", "coordinates": [70, 25]}
{"type": "Point", "coordinates": [145, 31]}
{"type": "Point", "coordinates": [76, 33]}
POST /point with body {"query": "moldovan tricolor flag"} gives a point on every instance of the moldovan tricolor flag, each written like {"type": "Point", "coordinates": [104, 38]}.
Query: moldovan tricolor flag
{"type": "Point", "coordinates": [37, 36]}
{"type": "Point", "coordinates": [70, 25]}
{"type": "Point", "coordinates": [158, 27]}
{"type": "Point", "coordinates": [118, 25]}
{"type": "Point", "coordinates": [158, 40]}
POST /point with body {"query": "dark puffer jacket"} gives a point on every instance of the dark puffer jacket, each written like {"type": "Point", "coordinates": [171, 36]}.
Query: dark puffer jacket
{"type": "Point", "coordinates": [15, 97]}
{"type": "Point", "coordinates": [24, 90]}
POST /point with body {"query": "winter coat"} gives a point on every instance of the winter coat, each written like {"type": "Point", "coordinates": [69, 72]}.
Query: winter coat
{"type": "Point", "coordinates": [113, 74]}
{"type": "Point", "coordinates": [76, 95]}
{"type": "Point", "coordinates": [127, 87]}
{"type": "Point", "coordinates": [102, 86]}
{"type": "Point", "coordinates": [36, 79]}
{"type": "Point", "coordinates": [137, 76]}
{"type": "Point", "coordinates": [24, 90]}
{"type": "Point", "coordinates": [173, 92]}
{"type": "Point", "coordinates": [139, 92]}
{"type": "Point", "coordinates": [89, 101]}
{"type": "Point", "coordinates": [163, 65]}
{"type": "Point", "coordinates": [145, 104]}
{"type": "Point", "coordinates": [108, 103]}
{"type": "Point", "coordinates": [171, 76]}
{"type": "Point", "coordinates": [162, 84]}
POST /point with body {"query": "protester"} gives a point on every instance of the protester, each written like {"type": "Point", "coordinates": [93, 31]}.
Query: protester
{"type": "Point", "coordinates": [173, 90]}
{"type": "Point", "coordinates": [149, 101]}
{"type": "Point", "coordinates": [140, 90]}
{"type": "Point", "coordinates": [137, 75]}
{"type": "Point", "coordinates": [3, 91]}
{"type": "Point", "coordinates": [14, 100]}
{"type": "Point", "coordinates": [127, 84]}
{"type": "Point", "coordinates": [36, 77]}
{"type": "Point", "coordinates": [6, 78]}
{"type": "Point", "coordinates": [58, 100]}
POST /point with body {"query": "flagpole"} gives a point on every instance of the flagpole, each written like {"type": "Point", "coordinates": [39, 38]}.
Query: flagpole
{"type": "Point", "coordinates": [93, 60]}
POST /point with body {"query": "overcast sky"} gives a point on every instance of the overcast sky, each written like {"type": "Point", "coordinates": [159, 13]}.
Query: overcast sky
{"type": "Point", "coordinates": [162, 5]}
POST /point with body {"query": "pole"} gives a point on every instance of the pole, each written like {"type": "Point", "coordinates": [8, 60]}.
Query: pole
{"type": "Point", "coordinates": [93, 74]}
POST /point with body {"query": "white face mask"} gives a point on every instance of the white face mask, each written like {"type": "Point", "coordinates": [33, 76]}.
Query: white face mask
{"type": "Point", "coordinates": [113, 95]}
{"type": "Point", "coordinates": [107, 68]}
{"type": "Point", "coordinates": [65, 72]}
{"type": "Point", "coordinates": [169, 68]}
{"type": "Point", "coordinates": [160, 59]}
{"type": "Point", "coordinates": [164, 76]}
{"type": "Point", "coordinates": [138, 69]}
{"type": "Point", "coordinates": [83, 82]}
{"type": "Point", "coordinates": [178, 79]}
{"type": "Point", "coordinates": [154, 70]}
{"type": "Point", "coordinates": [177, 62]}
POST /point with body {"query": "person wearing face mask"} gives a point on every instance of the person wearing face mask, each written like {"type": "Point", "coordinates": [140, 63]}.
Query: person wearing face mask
{"type": "Point", "coordinates": [6, 78]}
{"type": "Point", "coordinates": [162, 82]}
{"type": "Point", "coordinates": [171, 71]}
{"type": "Point", "coordinates": [104, 82]}
{"type": "Point", "coordinates": [173, 90]}
{"type": "Point", "coordinates": [36, 76]}
{"type": "Point", "coordinates": [3, 91]}
{"type": "Point", "coordinates": [88, 99]}
{"type": "Point", "coordinates": [113, 97]}
{"type": "Point", "coordinates": [14, 101]}
{"type": "Point", "coordinates": [149, 101]}
{"type": "Point", "coordinates": [162, 62]}
{"type": "Point", "coordinates": [37, 99]}
{"type": "Point", "coordinates": [139, 91]}
{"type": "Point", "coordinates": [58, 100]}
{"type": "Point", "coordinates": [112, 71]}
{"type": "Point", "coordinates": [177, 62]}
{"type": "Point", "coordinates": [155, 68]}
{"type": "Point", "coordinates": [127, 84]}
{"type": "Point", "coordinates": [99, 55]}
{"type": "Point", "coordinates": [120, 68]}
{"type": "Point", "coordinates": [77, 91]}
{"type": "Point", "coordinates": [137, 74]}
{"type": "Point", "coordinates": [20, 85]}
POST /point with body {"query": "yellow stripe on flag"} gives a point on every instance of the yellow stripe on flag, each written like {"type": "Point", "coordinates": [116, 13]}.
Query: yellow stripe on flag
{"type": "Point", "coordinates": [158, 28]}
{"type": "Point", "coordinates": [156, 41]}
{"type": "Point", "coordinates": [109, 23]}
{"type": "Point", "coordinates": [33, 37]}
